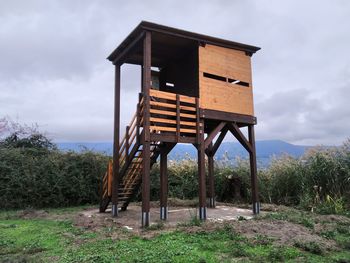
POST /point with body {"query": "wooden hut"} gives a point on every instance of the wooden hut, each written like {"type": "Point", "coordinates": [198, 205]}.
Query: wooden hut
{"type": "Point", "coordinates": [195, 88]}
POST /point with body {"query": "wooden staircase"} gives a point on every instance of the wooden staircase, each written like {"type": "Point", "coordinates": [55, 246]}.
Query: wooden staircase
{"type": "Point", "coordinates": [173, 118]}
{"type": "Point", "coordinates": [131, 157]}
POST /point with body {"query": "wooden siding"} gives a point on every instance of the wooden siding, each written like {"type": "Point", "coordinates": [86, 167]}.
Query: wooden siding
{"type": "Point", "coordinates": [220, 95]}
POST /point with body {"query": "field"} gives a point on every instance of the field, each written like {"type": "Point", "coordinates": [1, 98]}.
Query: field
{"type": "Point", "coordinates": [281, 234]}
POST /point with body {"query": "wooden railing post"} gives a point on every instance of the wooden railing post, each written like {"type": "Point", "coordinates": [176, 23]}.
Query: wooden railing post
{"type": "Point", "coordinates": [127, 146]}
{"type": "Point", "coordinates": [177, 117]}
{"type": "Point", "coordinates": [198, 128]}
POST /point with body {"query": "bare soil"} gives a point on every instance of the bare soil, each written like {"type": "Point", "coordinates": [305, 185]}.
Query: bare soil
{"type": "Point", "coordinates": [128, 222]}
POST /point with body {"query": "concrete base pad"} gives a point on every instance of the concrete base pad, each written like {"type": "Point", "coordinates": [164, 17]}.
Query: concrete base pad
{"type": "Point", "coordinates": [132, 216]}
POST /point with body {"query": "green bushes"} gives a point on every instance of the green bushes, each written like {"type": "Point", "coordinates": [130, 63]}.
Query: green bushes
{"type": "Point", "coordinates": [320, 180]}
{"type": "Point", "coordinates": [33, 173]}
{"type": "Point", "coordinates": [33, 178]}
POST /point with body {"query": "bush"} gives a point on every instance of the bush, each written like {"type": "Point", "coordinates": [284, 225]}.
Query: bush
{"type": "Point", "coordinates": [33, 173]}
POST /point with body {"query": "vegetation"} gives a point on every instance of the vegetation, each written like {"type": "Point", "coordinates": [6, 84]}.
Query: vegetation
{"type": "Point", "coordinates": [33, 173]}
{"type": "Point", "coordinates": [56, 237]}
{"type": "Point", "coordinates": [319, 181]}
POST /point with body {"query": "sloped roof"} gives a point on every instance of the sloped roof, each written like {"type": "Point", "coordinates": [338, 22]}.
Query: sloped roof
{"type": "Point", "coordinates": [177, 35]}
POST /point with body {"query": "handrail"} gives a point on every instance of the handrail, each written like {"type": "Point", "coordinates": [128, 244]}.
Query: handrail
{"type": "Point", "coordinates": [173, 113]}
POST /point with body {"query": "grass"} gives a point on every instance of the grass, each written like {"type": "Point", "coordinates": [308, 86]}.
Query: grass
{"type": "Point", "coordinates": [44, 240]}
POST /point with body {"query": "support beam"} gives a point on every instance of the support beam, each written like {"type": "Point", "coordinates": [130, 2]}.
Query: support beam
{"type": "Point", "coordinates": [211, 177]}
{"type": "Point", "coordinates": [213, 133]}
{"type": "Point", "coordinates": [201, 175]}
{"type": "Point", "coordinates": [116, 142]}
{"type": "Point", "coordinates": [253, 171]}
{"type": "Point", "coordinates": [163, 184]}
{"type": "Point", "coordinates": [146, 162]}
{"type": "Point", "coordinates": [126, 51]}
{"type": "Point", "coordinates": [234, 129]}
{"type": "Point", "coordinates": [219, 141]}
{"type": "Point", "coordinates": [164, 151]}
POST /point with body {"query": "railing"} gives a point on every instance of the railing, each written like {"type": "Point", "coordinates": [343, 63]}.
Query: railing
{"type": "Point", "coordinates": [129, 139]}
{"type": "Point", "coordinates": [173, 113]}
{"type": "Point", "coordinates": [169, 114]}
{"type": "Point", "coordinates": [107, 181]}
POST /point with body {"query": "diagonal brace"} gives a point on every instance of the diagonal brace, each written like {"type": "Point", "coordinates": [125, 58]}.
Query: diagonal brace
{"type": "Point", "coordinates": [234, 129]}
{"type": "Point", "coordinates": [218, 142]}
{"type": "Point", "coordinates": [213, 133]}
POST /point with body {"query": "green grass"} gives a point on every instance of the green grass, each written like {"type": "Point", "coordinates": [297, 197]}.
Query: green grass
{"type": "Point", "coordinates": [47, 240]}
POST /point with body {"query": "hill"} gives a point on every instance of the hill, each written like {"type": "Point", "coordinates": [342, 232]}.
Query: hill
{"type": "Point", "coordinates": [228, 150]}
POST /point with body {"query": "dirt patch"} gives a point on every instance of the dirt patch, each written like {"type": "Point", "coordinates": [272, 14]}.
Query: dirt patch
{"type": "Point", "coordinates": [282, 232]}
{"type": "Point", "coordinates": [129, 222]}
{"type": "Point", "coordinates": [332, 219]}
{"type": "Point", "coordinates": [31, 214]}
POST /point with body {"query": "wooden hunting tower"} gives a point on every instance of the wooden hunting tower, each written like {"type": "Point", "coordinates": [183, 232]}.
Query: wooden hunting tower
{"type": "Point", "coordinates": [195, 88]}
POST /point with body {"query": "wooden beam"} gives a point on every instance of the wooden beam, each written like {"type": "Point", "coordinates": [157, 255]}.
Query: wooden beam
{"type": "Point", "coordinates": [120, 59]}
{"type": "Point", "coordinates": [163, 185]}
{"type": "Point", "coordinates": [219, 141]}
{"type": "Point", "coordinates": [201, 176]}
{"type": "Point", "coordinates": [213, 133]}
{"type": "Point", "coordinates": [239, 136]}
{"type": "Point", "coordinates": [172, 138]}
{"type": "Point", "coordinates": [116, 142]}
{"type": "Point", "coordinates": [178, 118]}
{"type": "Point", "coordinates": [253, 171]}
{"type": "Point", "coordinates": [146, 160]}
{"type": "Point", "coordinates": [211, 178]}
{"type": "Point", "coordinates": [227, 116]}
{"type": "Point", "coordinates": [165, 149]}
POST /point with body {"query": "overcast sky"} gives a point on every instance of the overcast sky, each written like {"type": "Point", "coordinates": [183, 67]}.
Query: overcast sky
{"type": "Point", "coordinates": [54, 72]}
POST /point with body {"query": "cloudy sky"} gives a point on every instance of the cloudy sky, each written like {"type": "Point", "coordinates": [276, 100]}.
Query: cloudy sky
{"type": "Point", "coordinates": [54, 72]}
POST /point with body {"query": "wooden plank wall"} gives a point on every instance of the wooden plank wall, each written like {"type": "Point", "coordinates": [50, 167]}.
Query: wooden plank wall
{"type": "Point", "coordinates": [220, 95]}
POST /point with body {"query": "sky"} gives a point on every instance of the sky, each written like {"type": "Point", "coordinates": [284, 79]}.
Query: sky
{"type": "Point", "coordinates": [54, 72]}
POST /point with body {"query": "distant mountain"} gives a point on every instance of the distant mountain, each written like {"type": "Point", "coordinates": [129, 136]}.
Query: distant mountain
{"type": "Point", "coordinates": [265, 150]}
{"type": "Point", "coordinates": [101, 147]}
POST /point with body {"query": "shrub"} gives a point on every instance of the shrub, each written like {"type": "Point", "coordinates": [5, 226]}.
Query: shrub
{"type": "Point", "coordinates": [49, 180]}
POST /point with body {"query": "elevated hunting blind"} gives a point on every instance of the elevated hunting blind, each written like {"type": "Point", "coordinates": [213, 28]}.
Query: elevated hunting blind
{"type": "Point", "coordinates": [195, 89]}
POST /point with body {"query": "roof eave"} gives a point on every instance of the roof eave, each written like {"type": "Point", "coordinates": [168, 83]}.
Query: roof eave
{"type": "Point", "coordinates": [205, 39]}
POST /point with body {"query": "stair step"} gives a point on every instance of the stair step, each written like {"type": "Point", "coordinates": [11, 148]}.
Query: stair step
{"type": "Point", "coordinates": [125, 193]}
{"type": "Point", "coordinates": [121, 185]}
{"type": "Point", "coordinates": [122, 189]}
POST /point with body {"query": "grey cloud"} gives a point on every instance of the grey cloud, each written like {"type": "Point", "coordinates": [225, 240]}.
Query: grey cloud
{"type": "Point", "coordinates": [53, 69]}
